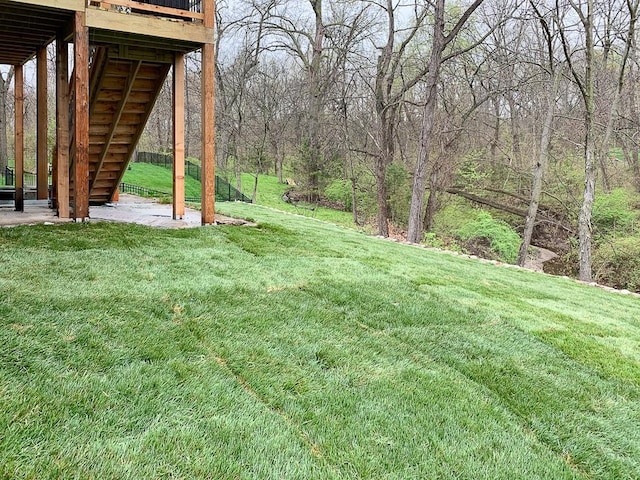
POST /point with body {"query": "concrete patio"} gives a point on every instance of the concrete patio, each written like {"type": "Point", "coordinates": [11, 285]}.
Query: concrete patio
{"type": "Point", "coordinates": [129, 209]}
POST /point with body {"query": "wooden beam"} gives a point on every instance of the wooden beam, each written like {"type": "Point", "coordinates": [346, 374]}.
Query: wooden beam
{"type": "Point", "coordinates": [135, 52]}
{"type": "Point", "coordinates": [77, 5]}
{"type": "Point", "coordinates": [134, 68]}
{"type": "Point", "coordinates": [62, 128]}
{"type": "Point", "coordinates": [208, 135]}
{"type": "Point", "coordinates": [42, 168]}
{"type": "Point", "coordinates": [18, 88]}
{"type": "Point", "coordinates": [81, 120]}
{"type": "Point", "coordinates": [178, 136]}
{"type": "Point", "coordinates": [98, 63]}
{"type": "Point", "coordinates": [151, 8]}
{"type": "Point", "coordinates": [149, 26]}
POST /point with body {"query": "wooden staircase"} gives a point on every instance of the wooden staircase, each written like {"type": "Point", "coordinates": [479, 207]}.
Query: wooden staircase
{"type": "Point", "coordinates": [122, 92]}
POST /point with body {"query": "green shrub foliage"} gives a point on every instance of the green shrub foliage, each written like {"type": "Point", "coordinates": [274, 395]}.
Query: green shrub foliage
{"type": "Point", "coordinates": [502, 240]}
{"type": "Point", "coordinates": [339, 191]}
{"type": "Point", "coordinates": [613, 212]}
{"type": "Point", "coordinates": [616, 263]}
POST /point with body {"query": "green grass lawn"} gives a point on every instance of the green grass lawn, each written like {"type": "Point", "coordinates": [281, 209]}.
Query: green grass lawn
{"type": "Point", "coordinates": [269, 191]}
{"type": "Point", "coordinates": [302, 350]}
{"type": "Point", "coordinates": [158, 178]}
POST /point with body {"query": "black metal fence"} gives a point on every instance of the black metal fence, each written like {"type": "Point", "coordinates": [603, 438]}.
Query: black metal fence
{"type": "Point", "coordinates": [224, 190]}
{"type": "Point", "coordinates": [142, 191]}
{"type": "Point", "coordinates": [8, 178]}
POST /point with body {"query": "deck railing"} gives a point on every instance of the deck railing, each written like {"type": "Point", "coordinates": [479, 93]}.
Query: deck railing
{"type": "Point", "coordinates": [180, 9]}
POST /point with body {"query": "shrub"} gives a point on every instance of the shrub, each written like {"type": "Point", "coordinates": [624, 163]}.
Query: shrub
{"type": "Point", "coordinates": [470, 173]}
{"type": "Point", "coordinates": [454, 214]}
{"type": "Point", "coordinates": [616, 262]}
{"type": "Point", "coordinates": [339, 191]}
{"type": "Point", "coordinates": [500, 237]}
{"type": "Point", "coordinates": [613, 211]}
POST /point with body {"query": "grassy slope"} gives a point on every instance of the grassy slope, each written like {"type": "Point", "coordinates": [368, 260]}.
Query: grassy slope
{"type": "Point", "coordinates": [158, 178]}
{"type": "Point", "coordinates": [270, 194]}
{"type": "Point", "coordinates": [269, 191]}
{"type": "Point", "coordinates": [303, 350]}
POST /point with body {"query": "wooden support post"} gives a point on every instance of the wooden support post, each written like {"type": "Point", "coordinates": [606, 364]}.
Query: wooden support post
{"type": "Point", "coordinates": [62, 128]}
{"type": "Point", "coordinates": [208, 136]}
{"type": "Point", "coordinates": [209, 13]}
{"type": "Point", "coordinates": [178, 136]}
{"type": "Point", "coordinates": [18, 87]}
{"type": "Point", "coordinates": [81, 120]}
{"type": "Point", "coordinates": [208, 120]}
{"type": "Point", "coordinates": [42, 163]}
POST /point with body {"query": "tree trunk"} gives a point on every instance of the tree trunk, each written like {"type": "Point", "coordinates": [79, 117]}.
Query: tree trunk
{"type": "Point", "coordinates": [630, 149]}
{"type": "Point", "coordinates": [584, 219]}
{"type": "Point", "coordinates": [315, 105]}
{"type": "Point", "coordinates": [541, 167]}
{"type": "Point", "coordinates": [386, 149]}
{"type": "Point", "coordinates": [386, 116]}
{"type": "Point", "coordinates": [632, 156]}
{"type": "Point", "coordinates": [278, 160]}
{"type": "Point", "coordinates": [414, 233]}
{"type": "Point", "coordinates": [432, 202]}
{"type": "Point", "coordinates": [354, 200]}
{"type": "Point", "coordinates": [515, 131]}
{"type": "Point", "coordinates": [590, 164]}
{"type": "Point", "coordinates": [495, 140]}
{"type": "Point", "coordinates": [381, 195]}
{"type": "Point", "coordinates": [254, 194]}
{"type": "Point", "coordinates": [603, 154]}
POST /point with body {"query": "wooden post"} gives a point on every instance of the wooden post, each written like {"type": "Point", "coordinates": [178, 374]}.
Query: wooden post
{"type": "Point", "coordinates": [208, 121]}
{"type": "Point", "coordinates": [42, 168]}
{"type": "Point", "coordinates": [178, 136]}
{"type": "Point", "coordinates": [81, 120]}
{"type": "Point", "coordinates": [62, 128]}
{"type": "Point", "coordinates": [18, 87]}
{"type": "Point", "coordinates": [209, 12]}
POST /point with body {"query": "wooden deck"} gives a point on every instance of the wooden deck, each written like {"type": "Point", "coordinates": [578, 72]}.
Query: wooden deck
{"type": "Point", "coordinates": [27, 25]}
{"type": "Point", "coordinates": [100, 115]}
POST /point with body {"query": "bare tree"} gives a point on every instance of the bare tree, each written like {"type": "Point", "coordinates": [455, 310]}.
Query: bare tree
{"type": "Point", "coordinates": [584, 28]}
{"type": "Point", "coordinates": [389, 93]}
{"type": "Point", "coordinates": [319, 40]}
{"type": "Point", "coordinates": [553, 73]}
{"type": "Point", "coordinates": [439, 42]}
